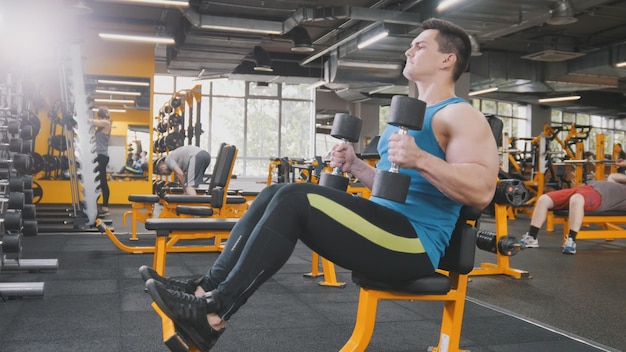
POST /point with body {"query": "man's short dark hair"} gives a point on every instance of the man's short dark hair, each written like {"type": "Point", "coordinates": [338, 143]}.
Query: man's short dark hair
{"type": "Point", "coordinates": [452, 39]}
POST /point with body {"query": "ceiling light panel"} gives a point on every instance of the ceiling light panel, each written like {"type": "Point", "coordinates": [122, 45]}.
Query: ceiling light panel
{"type": "Point", "coordinates": [177, 3]}
{"type": "Point", "coordinates": [137, 38]}
{"type": "Point", "coordinates": [117, 92]}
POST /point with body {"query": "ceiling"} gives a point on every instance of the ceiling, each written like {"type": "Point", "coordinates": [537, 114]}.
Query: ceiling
{"type": "Point", "coordinates": [521, 53]}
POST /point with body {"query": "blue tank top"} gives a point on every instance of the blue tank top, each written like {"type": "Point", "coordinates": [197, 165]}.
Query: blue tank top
{"type": "Point", "coordinates": [432, 214]}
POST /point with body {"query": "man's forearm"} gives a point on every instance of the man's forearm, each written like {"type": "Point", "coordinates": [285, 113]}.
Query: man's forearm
{"type": "Point", "coordinates": [364, 172]}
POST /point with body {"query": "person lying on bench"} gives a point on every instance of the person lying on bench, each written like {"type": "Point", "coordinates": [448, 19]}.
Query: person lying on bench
{"type": "Point", "coordinates": [595, 196]}
{"type": "Point", "coordinates": [189, 163]}
{"type": "Point", "coordinates": [452, 161]}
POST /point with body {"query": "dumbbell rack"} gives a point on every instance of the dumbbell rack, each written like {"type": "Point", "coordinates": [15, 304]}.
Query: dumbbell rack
{"type": "Point", "coordinates": [77, 139]}
{"type": "Point", "coordinates": [17, 213]}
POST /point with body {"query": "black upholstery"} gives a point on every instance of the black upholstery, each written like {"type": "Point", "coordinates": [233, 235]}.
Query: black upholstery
{"type": "Point", "coordinates": [208, 224]}
{"type": "Point", "coordinates": [371, 151]}
{"type": "Point", "coordinates": [458, 257]}
{"type": "Point", "coordinates": [497, 125]}
{"type": "Point", "coordinates": [197, 210]}
{"type": "Point", "coordinates": [565, 212]}
{"type": "Point", "coordinates": [143, 198]}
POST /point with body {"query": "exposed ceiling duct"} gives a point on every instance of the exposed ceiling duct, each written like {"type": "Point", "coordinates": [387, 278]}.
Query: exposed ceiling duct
{"type": "Point", "coordinates": [523, 54]}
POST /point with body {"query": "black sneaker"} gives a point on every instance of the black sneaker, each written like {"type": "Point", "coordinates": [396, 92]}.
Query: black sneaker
{"type": "Point", "coordinates": [188, 312]}
{"type": "Point", "coordinates": [187, 286]}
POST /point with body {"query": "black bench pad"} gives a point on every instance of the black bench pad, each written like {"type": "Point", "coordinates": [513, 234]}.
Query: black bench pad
{"type": "Point", "coordinates": [173, 224]}
{"type": "Point", "coordinates": [197, 210]}
{"type": "Point", "coordinates": [143, 198]}
{"type": "Point", "coordinates": [565, 212]}
{"type": "Point", "coordinates": [249, 193]}
{"type": "Point", "coordinates": [436, 284]}
{"type": "Point", "coordinates": [185, 198]}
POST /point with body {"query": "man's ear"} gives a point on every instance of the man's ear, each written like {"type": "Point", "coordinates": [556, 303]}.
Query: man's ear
{"type": "Point", "coordinates": [450, 59]}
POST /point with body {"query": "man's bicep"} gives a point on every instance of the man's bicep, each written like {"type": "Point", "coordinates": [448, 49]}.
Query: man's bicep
{"type": "Point", "coordinates": [470, 143]}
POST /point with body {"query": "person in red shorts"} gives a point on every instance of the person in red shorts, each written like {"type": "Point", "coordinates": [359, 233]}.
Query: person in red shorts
{"type": "Point", "coordinates": [593, 196]}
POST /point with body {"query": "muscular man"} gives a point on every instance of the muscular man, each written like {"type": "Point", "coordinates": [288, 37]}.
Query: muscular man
{"type": "Point", "coordinates": [452, 161]}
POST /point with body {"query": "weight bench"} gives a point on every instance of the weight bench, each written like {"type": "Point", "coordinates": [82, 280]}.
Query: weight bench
{"type": "Point", "coordinates": [223, 204]}
{"type": "Point", "coordinates": [143, 205]}
{"type": "Point", "coordinates": [608, 221]}
{"type": "Point", "coordinates": [142, 208]}
{"type": "Point", "coordinates": [166, 231]}
{"type": "Point", "coordinates": [171, 231]}
{"type": "Point", "coordinates": [448, 284]}
{"type": "Point", "coordinates": [218, 204]}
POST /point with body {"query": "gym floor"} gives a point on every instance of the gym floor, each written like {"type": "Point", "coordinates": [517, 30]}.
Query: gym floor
{"type": "Point", "coordinates": [96, 301]}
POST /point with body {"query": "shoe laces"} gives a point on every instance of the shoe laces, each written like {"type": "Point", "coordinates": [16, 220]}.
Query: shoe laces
{"type": "Point", "coordinates": [191, 307]}
{"type": "Point", "coordinates": [186, 297]}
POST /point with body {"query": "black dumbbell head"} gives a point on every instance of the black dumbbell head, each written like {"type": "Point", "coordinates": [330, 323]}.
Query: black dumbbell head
{"type": "Point", "coordinates": [407, 112]}
{"type": "Point", "coordinates": [346, 127]}
{"type": "Point", "coordinates": [391, 185]}
{"type": "Point", "coordinates": [338, 182]}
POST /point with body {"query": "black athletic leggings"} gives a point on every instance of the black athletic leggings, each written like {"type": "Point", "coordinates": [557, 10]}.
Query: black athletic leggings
{"type": "Point", "coordinates": [350, 231]}
{"type": "Point", "coordinates": [101, 168]}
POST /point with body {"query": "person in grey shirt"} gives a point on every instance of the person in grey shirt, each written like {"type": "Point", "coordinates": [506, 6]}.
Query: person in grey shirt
{"type": "Point", "coordinates": [595, 196]}
{"type": "Point", "coordinates": [189, 163]}
{"type": "Point", "coordinates": [102, 135]}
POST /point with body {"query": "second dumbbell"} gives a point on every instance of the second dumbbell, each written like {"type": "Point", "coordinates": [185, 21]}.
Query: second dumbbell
{"type": "Point", "coordinates": [347, 128]}
{"type": "Point", "coordinates": [407, 114]}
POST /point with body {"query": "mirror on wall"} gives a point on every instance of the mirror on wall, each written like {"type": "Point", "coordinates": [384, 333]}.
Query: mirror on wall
{"type": "Point", "coordinates": [137, 148]}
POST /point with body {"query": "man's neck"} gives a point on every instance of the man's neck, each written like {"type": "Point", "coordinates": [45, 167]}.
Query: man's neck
{"type": "Point", "coordinates": [433, 93]}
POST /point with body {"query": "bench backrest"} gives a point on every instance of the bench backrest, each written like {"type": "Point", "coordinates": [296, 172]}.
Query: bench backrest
{"type": "Point", "coordinates": [459, 256]}
{"type": "Point", "coordinates": [223, 168]}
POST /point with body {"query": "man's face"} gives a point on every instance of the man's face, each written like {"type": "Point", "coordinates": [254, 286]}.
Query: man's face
{"type": "Point", "coordinates": [423, 57]}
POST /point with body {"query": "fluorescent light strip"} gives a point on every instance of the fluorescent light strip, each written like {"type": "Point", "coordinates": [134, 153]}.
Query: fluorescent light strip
{"type": "Point", "coordinates": [483, 91]}
{"type": "Point", "coordinates": [137, 38]}
{"type": "Point", "coordinates": [368, 64]}
{"type": "Point", "coordinates": [373, 39]}
{"type": "Point", "coordinates": [445, 4]}
{"type": "Point", "coordinates": [117, 92]}
{"type": "Point", "coordinates": [111, 110]}
{"type": "Point", "coordinates": [621, 64]}
{"type": "Point", "coordinates": [559, 99]}
{"type": "Point", "coordinates": [158, 2]}
{"type": "Point", "coordinates": [115, 101]}
{"type": "Point", "coordinates": [238, 29]}
{"type": "Point", "coordinates": [124, 83]}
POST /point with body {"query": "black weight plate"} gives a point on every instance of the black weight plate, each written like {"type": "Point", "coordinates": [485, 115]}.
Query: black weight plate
{"type": "Point", "coordinates": [38, 163]}
{"type": "Point", "coordinates": [37, 192]}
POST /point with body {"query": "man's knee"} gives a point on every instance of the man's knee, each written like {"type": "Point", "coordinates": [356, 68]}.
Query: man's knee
{"type": "Point", "coordinates": [576, 200]}
{"type": "Point", "coordinates": [545, 201]}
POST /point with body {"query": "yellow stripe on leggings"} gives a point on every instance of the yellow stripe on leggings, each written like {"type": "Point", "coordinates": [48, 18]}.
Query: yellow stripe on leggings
{"type": "Point", "coordinates": [363, 227]}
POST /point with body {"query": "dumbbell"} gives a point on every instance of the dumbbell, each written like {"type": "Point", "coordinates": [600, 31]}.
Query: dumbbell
{"type": "Point", "coordinates": [507, 245]}
{"type": "Point", "coordinates": [17, 145]}
{"type": "Point", "coordinates": [406, 114]}
{"type": "Point", "coordinates": [21, 162]}
{"type": "Point", "coordinates": [348, 129]}
{"type": "Point", "coordinates": [13, 127]}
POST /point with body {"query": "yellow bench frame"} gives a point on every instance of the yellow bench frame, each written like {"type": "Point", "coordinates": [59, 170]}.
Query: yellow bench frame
{"type": "Point", "coordinates": [454, 298]}
{"type": "Point", "coordinates": [611, 225]}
